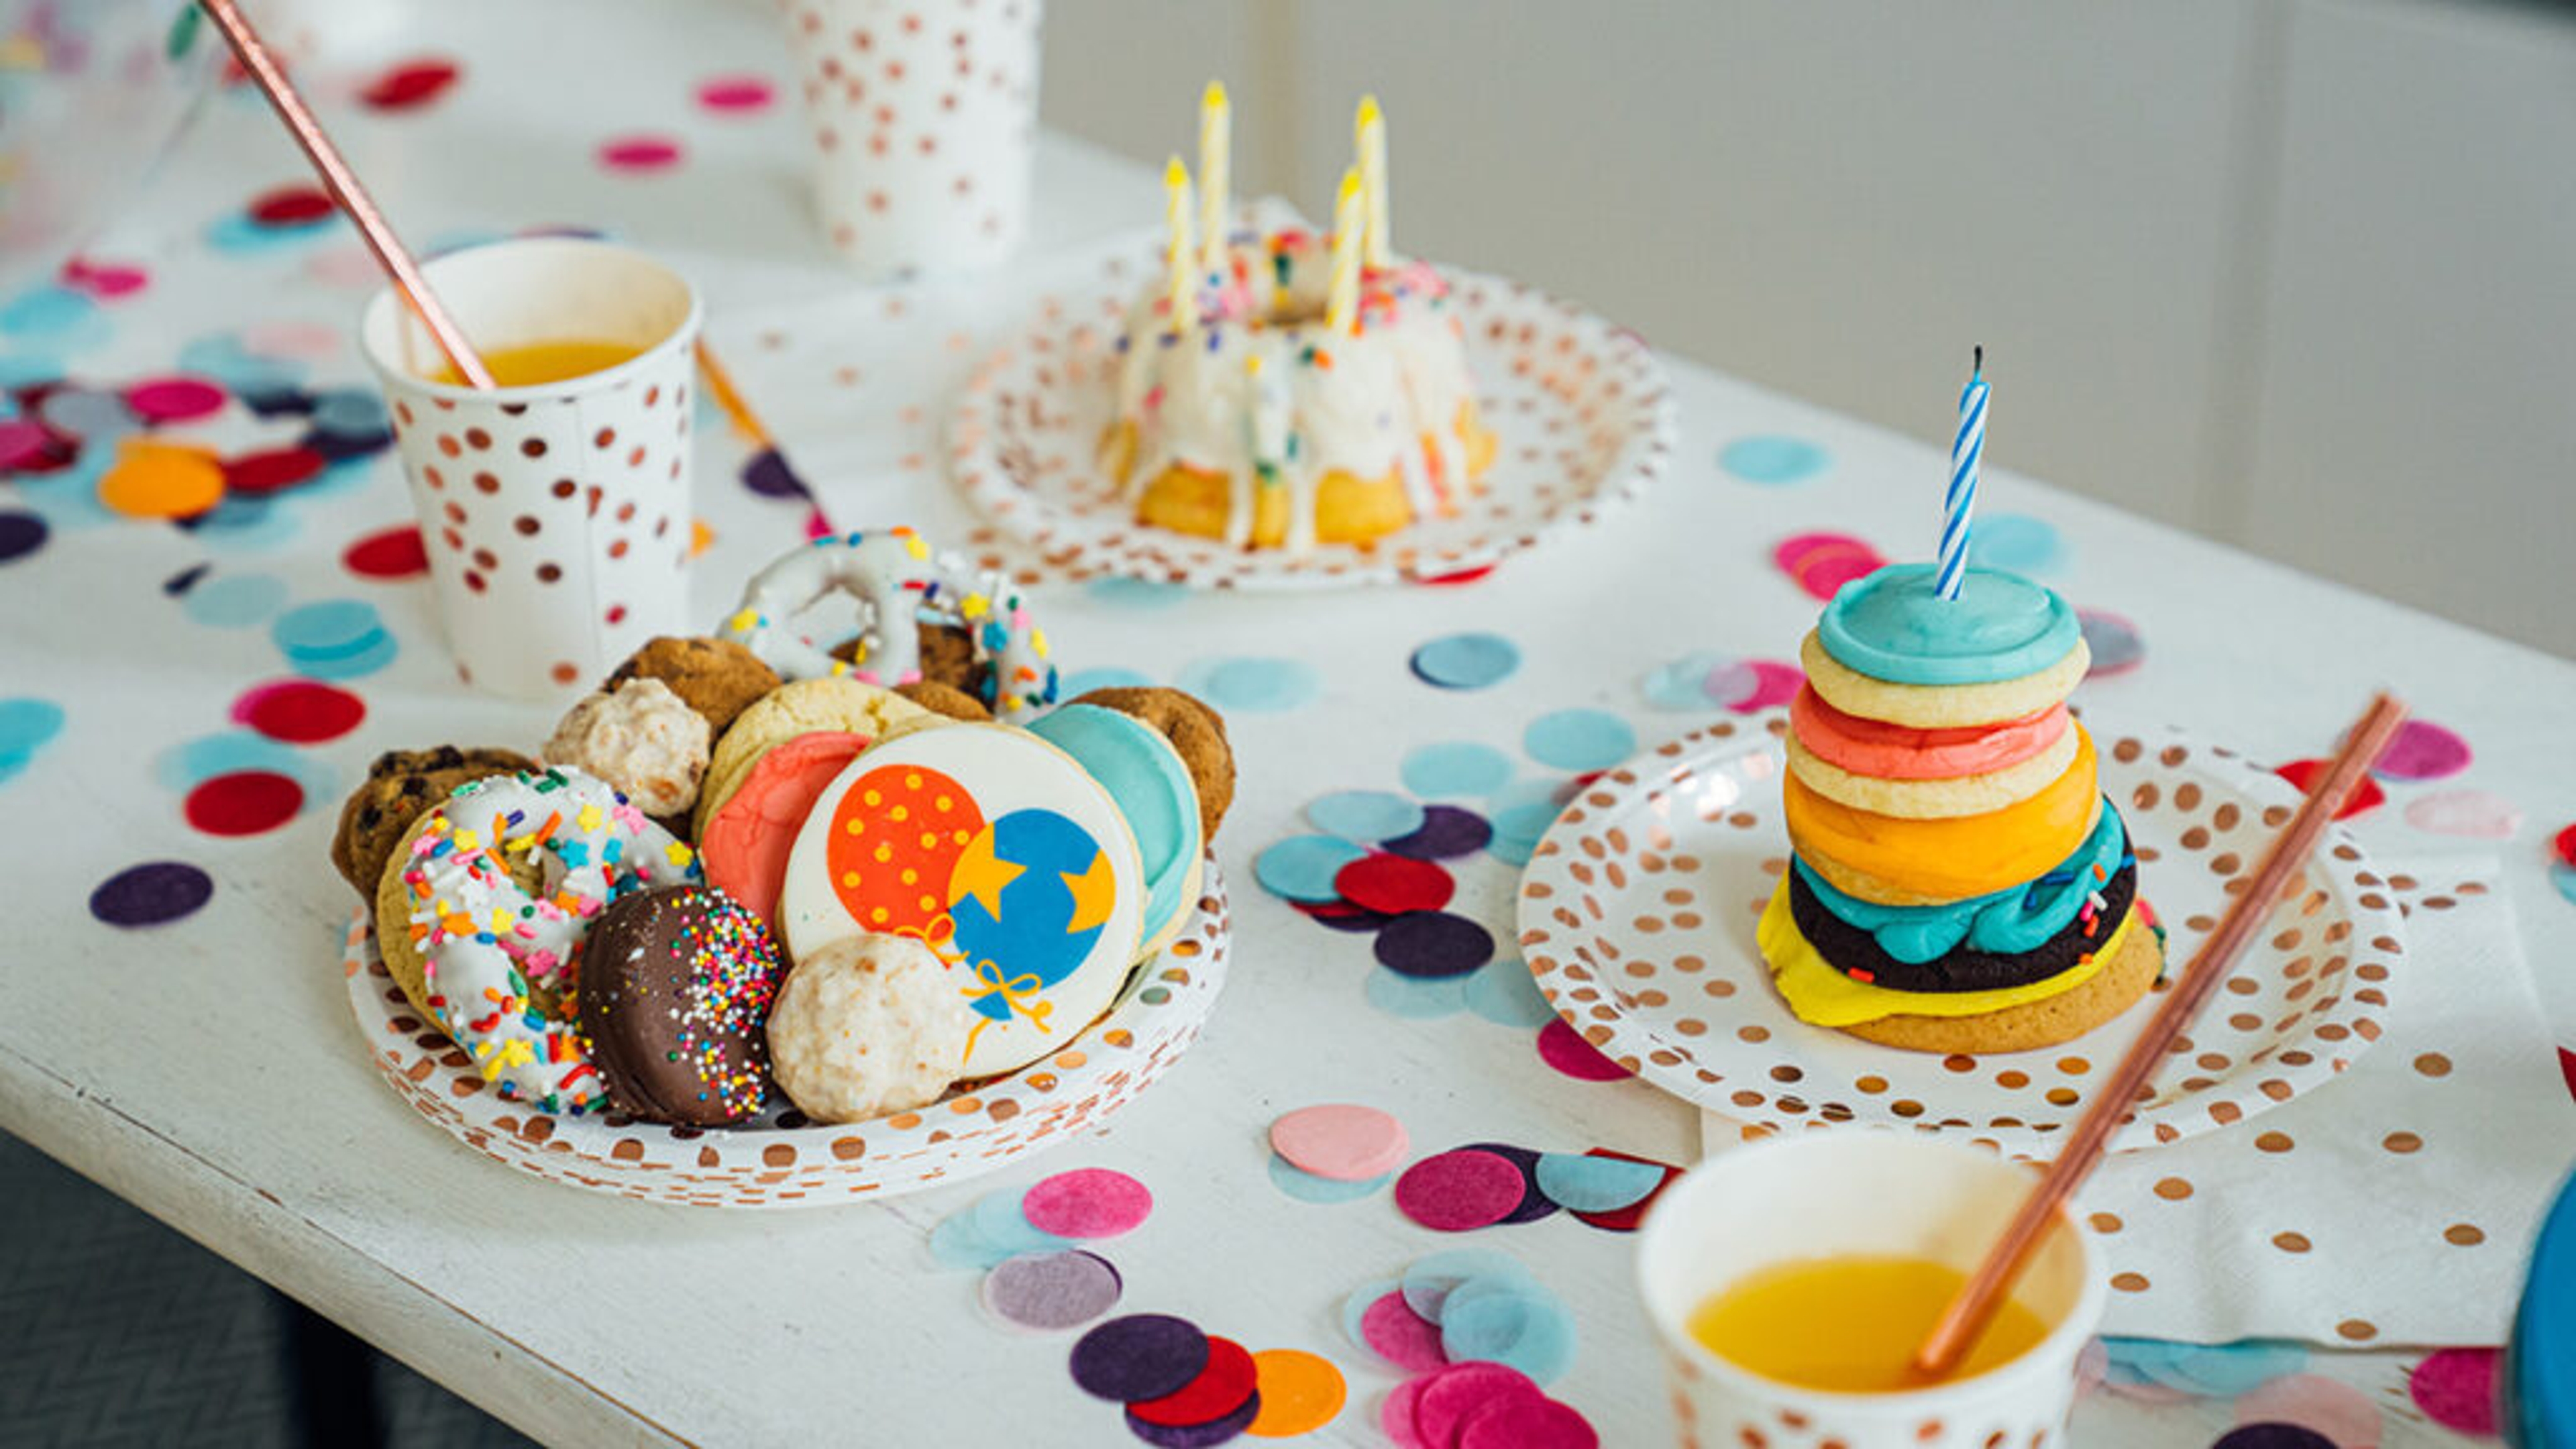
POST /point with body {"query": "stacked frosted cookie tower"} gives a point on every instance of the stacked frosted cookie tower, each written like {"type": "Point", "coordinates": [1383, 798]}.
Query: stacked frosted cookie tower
{"type": "Point", "coordinates": [1959, 883]}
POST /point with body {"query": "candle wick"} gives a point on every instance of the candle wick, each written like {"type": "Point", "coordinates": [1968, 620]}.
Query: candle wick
{"type": "Point", "coordinates": [1977, 368]}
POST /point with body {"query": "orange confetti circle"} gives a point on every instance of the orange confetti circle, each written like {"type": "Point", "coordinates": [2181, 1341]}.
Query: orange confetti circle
{"type": "Point", "coordinates": [159, 480]}
{"type": "Point", "coordinates": [1300, 1392]}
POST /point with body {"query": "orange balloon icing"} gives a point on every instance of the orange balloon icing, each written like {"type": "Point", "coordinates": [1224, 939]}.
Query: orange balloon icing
{"type": "Point", "coordinates": [896, 835]}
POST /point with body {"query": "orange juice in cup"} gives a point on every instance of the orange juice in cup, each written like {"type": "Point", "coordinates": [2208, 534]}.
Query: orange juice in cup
{"type": "Point", "coordinates": [1792, 1280]}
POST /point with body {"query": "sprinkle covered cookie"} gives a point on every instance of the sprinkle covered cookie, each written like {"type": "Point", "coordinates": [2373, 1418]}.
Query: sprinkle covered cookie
{"type": "Point", "coordinates": [675, 1000]}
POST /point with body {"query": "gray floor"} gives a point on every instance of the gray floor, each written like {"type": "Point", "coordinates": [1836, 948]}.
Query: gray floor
{"type": "Point", "coordinates": [116, 1331]}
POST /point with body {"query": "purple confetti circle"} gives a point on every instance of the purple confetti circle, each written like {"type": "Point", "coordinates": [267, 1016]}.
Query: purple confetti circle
{"type": "Point", "coordinates": [152, 894]}
{"type": "Point", "coordinates": [1050, 1291]}
{"type": "Point", "coordinates": [767, 474]}
{"type": "Point", "coordinates": [20, 535]}
{"type": "Point", "coordinates": [1447, 833]}
{"type": "Point", "coordinates": [2272, 1436]}
{"type": "Point", "coordinates": [1432, 944]}
{"type": "Point", "coordinates": [1197, 1436]}
{"type": "Point", "coordinates": [1141, 1356]}
{"type": "Point", "coordinates": [1534, 1203]}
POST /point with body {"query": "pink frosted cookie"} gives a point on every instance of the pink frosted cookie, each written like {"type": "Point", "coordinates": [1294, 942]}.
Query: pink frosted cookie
{"type": "Point", "coordinates": [1884, 751]}
{"type": "Point", "coordinates": [747, 841]}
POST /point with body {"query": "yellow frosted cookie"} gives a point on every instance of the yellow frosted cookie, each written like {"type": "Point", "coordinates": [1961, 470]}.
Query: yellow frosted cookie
{"type": "Point", "coordinates": [1940, 706]}
{"type": "Point", "coordinates": [1935, 799]}
{"type": "Point", "coordinates": [796, 709]}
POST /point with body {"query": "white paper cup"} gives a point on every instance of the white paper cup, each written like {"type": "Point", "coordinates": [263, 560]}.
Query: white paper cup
{"type": "Point", "coordinates": [556, 517]}
{"type": "Point", "coordinates": [923, 119]}
{"type": "Point", "coordinates": [1860, 1191]}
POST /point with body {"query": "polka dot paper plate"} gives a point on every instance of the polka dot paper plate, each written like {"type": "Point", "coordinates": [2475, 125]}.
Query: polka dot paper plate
{"type": "Point", "coordinates": [1580, 408]}
{"type": "Point", "coordinates": [783, 1161]}
{"type": "Point", "coordinates": [1637, 914]}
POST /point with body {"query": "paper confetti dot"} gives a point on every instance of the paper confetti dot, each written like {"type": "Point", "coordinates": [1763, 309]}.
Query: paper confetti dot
{"type": "Point", "coordinates": [411, 84]}
{"type": "Point", "coordinates": [735, 95]}
{"type": "Point", "coordinates": [1220, 1389]}
{"type": "Point", "coordinates": [333, 639]}
{"type": "Point", "coordinates": [639, 155]}
{"type": "Point", "coordinates": [767, 474]}
{"type": "Point", "coordinates": [2365, 797]}
{"type": "Point", "coordinates": [246, 802]}
{"type": "Point", "coordinates": [1628, 1219]}
{"type": "Point", "coordinates": [1394, 885]}
{"type": "Point", "coordinates": [1395, 1415]}
{"type": "Point", "coordinates": [1467, 661]}
{"type": "Point", "coordinates": [1196, 1436]}
{"type": "Point", "coordinates": [1052, 1291]}
{"type": "Point", "coordinates": [956, 1243]}
{"type": "Point", "coordinates": [1820, 563]}
{"type": "Point", "coordinates": [1394, 1332]}
{"type": "Point", "coordinates": [1455, 769]}
{"type": "Point", "coordinates": [1255, 686]}
{"type": "Point", "coordinates": [1141, 1356]}
{"type": "Point", "coordinates": [2272, 1436]}
{"type": "Point", "coordinates": [1356, 1304]}
{"type": "Point", "coordinates": [2477, 814]}
{"type": "Point", "coordinates": [2336, 1411]}
{"type": "Point", "coordinates": [1433, 943]}
{"type": "Point", "coordinates": [298, 204]}
{"type": "Point", "coordinates": [107, 281]}
{"type": "Point", "coordinates": [1345, 1141]}
{"type": "Point", "coordinates": [1300, 1392]}
{"type": "Point", "coordinates": [27, 725]}
{"type": "Point", "coordinates": [20, 535]}
{"type": "Point", "coordinates": [272, 471]}
{"type": "Point", "coordinates": [1522, 1328]}
{"type": "Point", "coordinates": [2422, 750]}
{"type": "Point", "coordinates": [1414, 998]}
{"type": "Point", "coordinates": [160, 480]}
{"type": "Point", "coordinates": [1339, 915]}
{"type": "Point", "coordinates": [1579, 739]}
{"type": "Point", "coordinates": [47, 312]}
{"type": "Point", "coordinates": [1753, 684]}
{"type": "Point", "coordinates": [1677, 685]}
{"type": "Point", "coordinates": [1534, 1204]}
{"type": "Point", "coordinates": [234, 601]}
{"type": "Point", "coordinates": [1504, 993]}
{"type": "Point", "coordinates": [23, 441]}
{"type": "Point", "coordinates": [1772, 460]}
{"type": "Point", "coordinates": [2457, 1389]}
{"type": "Point", "coordinates": [1302, 867]}
{"type": "Point", "coordinates": [2113, 642]}
{"type": "Point", "coordinates": [299, 711]}
{"type": "Point", "coordinates": [1431, 1278]}
{"type": "Point", "coordinates": [2018, 542]}
{"type": "Point", "coordinates": [1366, 816]}
{"type": "Point", "coordinates": [2565, 844]}
{"type": "Point", "coordinates": [1561, 1047]}
{"type": "Point", "coordinates": [1306, 1187]}
{"type": "Point", "coordinates": [388, 554]}
{"type": "Point", "coordinates": [1089, 1202]}
{"type": "Point", "coordinates": [1527, 1423]}
{"type": "Point", "coordinates": [1135, 593]}
{"type": "Point", "coordinates": [152, 894]}
{"type": "Point", "coordinates": [1596, 1184]}
{"type": "Point", "coordinates": [2562, 878]}
{"type": "Point", "coordinates": [1453, 1192]}
{"type": "Point", "coordinates": [1446, 833]}
{"type": "Point", "coordinates": [174, 399]}
{"type": "Point", "coordinates": [999, 1221]}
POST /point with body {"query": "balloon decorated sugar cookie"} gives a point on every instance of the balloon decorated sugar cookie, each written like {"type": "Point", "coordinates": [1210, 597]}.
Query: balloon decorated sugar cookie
{"type": "Point", "coordinates": [1000, 852]}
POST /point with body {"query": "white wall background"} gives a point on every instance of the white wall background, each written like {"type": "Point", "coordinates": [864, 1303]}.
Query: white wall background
{"type": "Point", "coordinates": [2297, 274]}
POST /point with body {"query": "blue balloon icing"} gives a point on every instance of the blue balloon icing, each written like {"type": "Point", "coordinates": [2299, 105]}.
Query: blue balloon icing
{"type": "Point", "coordinates": [2017, 919]}
{"type": "Point", "coordinates": [1892, 626]}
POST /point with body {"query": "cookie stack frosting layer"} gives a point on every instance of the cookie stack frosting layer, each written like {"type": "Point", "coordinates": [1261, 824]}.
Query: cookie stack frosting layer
{"type": "Point", "coordinates": [1959, 881]}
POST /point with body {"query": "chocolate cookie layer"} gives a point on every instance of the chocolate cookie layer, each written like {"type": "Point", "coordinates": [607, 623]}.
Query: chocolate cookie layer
{"type": "Point", "coordinates": [1857, 954]}
{"type": "Point", "coordinates": [676, 987]}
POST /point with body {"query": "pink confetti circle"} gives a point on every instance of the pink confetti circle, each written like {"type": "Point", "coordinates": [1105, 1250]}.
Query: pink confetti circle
{"type": "Point", "coordinates": [1562, 1047]}
{"type": "Point", "coordinates": [2477, 814]}
{"type": "Point", "coordinates": [309, 340]}
{"type": "Point", "coordinates": [1089, 1202]}
{"type": "Point", "coordinates": [22, 440]}
{"type": "Point", "coordinates": [637, 155]}
{"type": "Point", "coordinates": [736, 94]}
{"type": "Point", "coordinates": [106, 281]}
{"type": "Point", "coordinates": [1755, 684]}
{"type": "Point", "coordinates": [174, 399]}
{"type": "Point", "coordinates": [1341, 1141]}
{"type": "Point", "coordinates": [1453, 1192]}
{"type": "Point", "coordinates": [2422, 750]}
{"type": "Point", "coordinates": [2312, 1401]}
{"type": "Point", "coordinates": [1395, 1416]}
{"type": "Point", "coordinates": [1401, 1336]}
{"type": "Point", "coordinates": [1533, 1423]}
{"type": "Point", "coordinates": [2456, 1388]}
{"type": "Point", "coordinates": [1452, 1396]}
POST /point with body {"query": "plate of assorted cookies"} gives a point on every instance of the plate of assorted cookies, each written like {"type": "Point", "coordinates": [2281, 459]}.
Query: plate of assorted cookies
{"type": "Point", "coordinates": [835, 902]}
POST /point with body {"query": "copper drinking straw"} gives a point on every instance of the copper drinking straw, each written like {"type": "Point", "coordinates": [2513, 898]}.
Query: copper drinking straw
{"type": "Point", "coordinates": [1965, 1319]}
{"type": "Point", "coordinates": [346, 189]}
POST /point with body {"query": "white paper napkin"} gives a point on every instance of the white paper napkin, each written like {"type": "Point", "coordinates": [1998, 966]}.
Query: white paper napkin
{"type": "Point", "coordinates": [2393, 1206]}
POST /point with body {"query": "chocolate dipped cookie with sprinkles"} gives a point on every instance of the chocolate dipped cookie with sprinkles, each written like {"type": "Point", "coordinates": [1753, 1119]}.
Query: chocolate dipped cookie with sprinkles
{"type": "Point", "coordinates": [675, 996]}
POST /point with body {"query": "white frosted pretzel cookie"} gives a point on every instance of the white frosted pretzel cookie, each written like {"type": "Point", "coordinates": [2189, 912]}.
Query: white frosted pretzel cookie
{"type": "Point", "coordinates": [488, 944]}
{"type": "Point", "coordinates": [1940, 706]}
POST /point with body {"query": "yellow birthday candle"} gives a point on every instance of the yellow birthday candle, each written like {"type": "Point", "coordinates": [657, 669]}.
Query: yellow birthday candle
{"type": "Point", "coordinates": [1371, 129]}
{"type": "Point", "coordinates": [1342, 301]}
{"type": "Point", "coordinates": [1216, 159]}
{"type": "Point", "coordinates": [1182, 255]}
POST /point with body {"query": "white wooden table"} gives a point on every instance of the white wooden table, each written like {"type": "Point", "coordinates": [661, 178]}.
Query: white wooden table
{"type": "Point", "coordinates": [209, 1071]}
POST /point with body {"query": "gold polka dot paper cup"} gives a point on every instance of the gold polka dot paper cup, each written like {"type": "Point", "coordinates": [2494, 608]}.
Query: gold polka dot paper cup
{"type": "Point", "coordinates": [1860, 1192]}
{"type": "Point", "coordinates": [556, 516]}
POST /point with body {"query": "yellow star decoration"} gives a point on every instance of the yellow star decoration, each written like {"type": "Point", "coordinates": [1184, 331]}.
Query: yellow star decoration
{"type": "Point", "coordinates": [1094, 892]}
{"type": "Point", "coordinates": [983, 875]}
